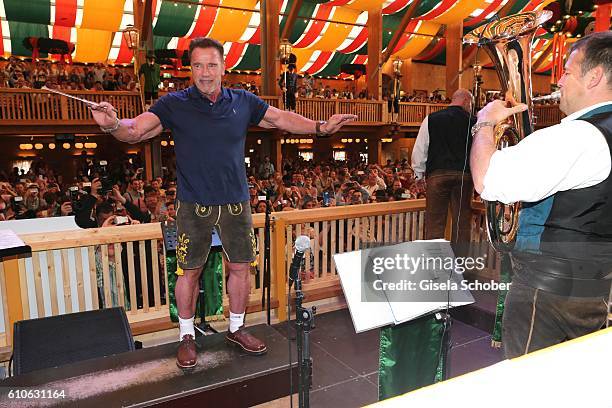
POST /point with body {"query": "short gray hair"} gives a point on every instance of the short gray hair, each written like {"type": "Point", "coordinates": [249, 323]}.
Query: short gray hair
{"type": "Point", "coordinates": [597, 51]}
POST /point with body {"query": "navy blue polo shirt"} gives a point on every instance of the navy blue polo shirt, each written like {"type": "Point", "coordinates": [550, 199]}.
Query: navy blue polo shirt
{"type": "Point", "coordinates": [209, 141]}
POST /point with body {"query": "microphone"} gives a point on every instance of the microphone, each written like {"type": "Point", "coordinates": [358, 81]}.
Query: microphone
{"type": "Point", "coordinates": [302, 243]}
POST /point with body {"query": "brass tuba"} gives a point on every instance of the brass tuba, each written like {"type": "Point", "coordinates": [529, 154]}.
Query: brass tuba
{"type": "Point", "coordinates": [508, 42]}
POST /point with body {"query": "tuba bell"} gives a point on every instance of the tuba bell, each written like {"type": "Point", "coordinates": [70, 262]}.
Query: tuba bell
{"type": "Point", "coordinates": [508, 43]}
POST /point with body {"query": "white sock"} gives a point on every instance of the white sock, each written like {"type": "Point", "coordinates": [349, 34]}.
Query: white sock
{"type": "Point", "coordinates": [186, 327]}
{"type": "Point", "coordinates": [236, 321]}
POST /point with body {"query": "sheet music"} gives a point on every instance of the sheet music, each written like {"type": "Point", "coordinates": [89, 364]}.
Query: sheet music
{"type": "Point", "coordinates": [8, 239]}
{"type": "Point", "coordinates": [365, 315]}
{"type": "Point", "coordinates": [405, 311]}
{"type": "Point", "coordinates": [371, 315]}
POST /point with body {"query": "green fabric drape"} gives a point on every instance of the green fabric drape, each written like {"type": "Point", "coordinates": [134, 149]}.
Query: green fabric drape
{"type": "Point", "coordinates": [175, 19]}
{"type": "Point", "coordinates": [160, 42]}
{"type": "Point", "coordinates": [505, 276]}
{"type": "Point", "coordinates": [19, 31]}
{"type": "Point", "coordinates": [409, 356]}
{"type": "Point", "coordinates": [299, 26]}
{"type": "Point", "coordinates": [212, 277]}
{"type": "Point", "coordinates": [251, 60]}
{"type": "Point", "coordinates": [335, 64]}
{"type": "Point", "coordinates": [284, 18]}
{"type": "Point", "coordinates": [30, 11]}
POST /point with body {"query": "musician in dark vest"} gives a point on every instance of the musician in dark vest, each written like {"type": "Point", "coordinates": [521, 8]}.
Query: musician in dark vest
{"type": "Point", "coordinates": [441, 154]}
{"type": "Point", "coordinates": [562, 259]}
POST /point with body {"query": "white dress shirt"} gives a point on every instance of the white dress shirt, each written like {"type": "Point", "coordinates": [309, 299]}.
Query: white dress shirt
{"type": "Point", "coordinates": [571, 155]}
{"type": "Point", "coordinates": [419, 151]}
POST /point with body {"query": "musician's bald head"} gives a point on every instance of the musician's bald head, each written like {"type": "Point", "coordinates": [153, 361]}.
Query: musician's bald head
{"type": "Point", "coordinates": [462, 97]}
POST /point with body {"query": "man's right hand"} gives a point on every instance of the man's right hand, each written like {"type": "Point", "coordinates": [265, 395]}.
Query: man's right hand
{"type": "Point", "coordinates": [104, 115]}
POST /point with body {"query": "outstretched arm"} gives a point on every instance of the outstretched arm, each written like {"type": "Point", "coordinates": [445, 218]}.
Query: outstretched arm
{"type": "Point", "coordinates": [142, 127]}
{"type": "Point", "coordinates": [297, 124]}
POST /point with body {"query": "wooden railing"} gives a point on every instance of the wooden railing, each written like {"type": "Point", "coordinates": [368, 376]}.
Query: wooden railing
{"type": "Point", "coordinates": [32, 106]}
{"type": "Point", "coordinates": [35, 106]}
{"type": "Point", "coordinates": [63, 272]}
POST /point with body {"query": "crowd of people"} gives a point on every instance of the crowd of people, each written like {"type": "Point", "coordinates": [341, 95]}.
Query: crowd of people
{"type": "Point", "coordinates": [42, 192]}
{"type": "Point", "coordinates": [95, 77]}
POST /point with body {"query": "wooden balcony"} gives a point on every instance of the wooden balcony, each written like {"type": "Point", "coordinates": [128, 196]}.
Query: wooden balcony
{"type": "Point", "coordinates": [33, 111]}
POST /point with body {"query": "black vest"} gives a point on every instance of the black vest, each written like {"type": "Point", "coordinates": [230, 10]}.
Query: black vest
{"type": "Point", "coordinates": [449, 130]}
{"type": "Point", "coordinates": [574, 257]}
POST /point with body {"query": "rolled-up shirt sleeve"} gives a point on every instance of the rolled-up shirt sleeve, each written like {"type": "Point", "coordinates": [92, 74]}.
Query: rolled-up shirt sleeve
{"type": "Point", "coordinates": [567, 156]}
{"type": "Point", "coordinates": [419, 151]}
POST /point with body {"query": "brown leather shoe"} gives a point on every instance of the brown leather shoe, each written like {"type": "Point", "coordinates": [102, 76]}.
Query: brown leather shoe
{"type": "Point", "coordinates": [187, 355]}
{"type": "Point", "coordinates": [247, 342]}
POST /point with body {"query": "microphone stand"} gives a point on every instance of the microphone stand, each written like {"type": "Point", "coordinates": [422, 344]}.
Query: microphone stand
{"type": "Point", "coordinates": [265, 293]}
{"type": "Point", "coordinates": [446, 319]}
{"type": "Point", "coordinates": [304, 318]}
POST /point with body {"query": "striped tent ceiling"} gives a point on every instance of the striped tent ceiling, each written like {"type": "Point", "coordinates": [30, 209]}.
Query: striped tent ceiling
{"type": "Point", "coordinates": [325, 35]}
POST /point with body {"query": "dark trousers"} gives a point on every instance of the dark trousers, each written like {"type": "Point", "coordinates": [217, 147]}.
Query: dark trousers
{"type": "Point", "coordinates": [290, 99]}
{"type": "Point", "coordinates": [444, 188]}
{"type": "Point", "coordinates": [535, 319]}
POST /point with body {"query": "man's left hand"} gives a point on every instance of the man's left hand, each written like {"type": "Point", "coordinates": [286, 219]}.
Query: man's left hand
{"type": "Point", "coordinates": [498, 110]}
{"type": "Point", "coordinates": [336, 122]}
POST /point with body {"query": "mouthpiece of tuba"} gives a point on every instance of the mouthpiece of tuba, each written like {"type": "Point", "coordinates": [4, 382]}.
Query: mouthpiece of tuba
{"type": "Point", "coordinates": [553, 96]}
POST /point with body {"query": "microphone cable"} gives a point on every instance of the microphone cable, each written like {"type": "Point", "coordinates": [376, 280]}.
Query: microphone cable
{"type": "Point", "coordinates": [446, 325]}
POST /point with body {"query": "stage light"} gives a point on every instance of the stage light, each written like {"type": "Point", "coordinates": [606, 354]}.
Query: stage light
{"type": "Point", "coordinates": [66, 146]}
{"type": "Point", "coordinates": [357, 140]}
{"type": "Point", "coordinates": [51, 146]}
{"type": "Point", "coordinates": [91, 145]}
{"type": "Point", "coordinates": [343, 140]}
{"type": "Point", "coordinates": [38, 146]}
{"type": "Point", "coordinates": [78, 145]}
{"type": "Point", "coordinates": [282, 141]}
{"type": "Point", "coordinates": [350, 140]}
{"type": "Point", "coordinates": [164, 143]}
{"type": "Point", "coordinates": [258, 141]}
{"type": "Point", "coordinates": [172, 143]}
{"type": "Point", "coordinates": [25, 146]}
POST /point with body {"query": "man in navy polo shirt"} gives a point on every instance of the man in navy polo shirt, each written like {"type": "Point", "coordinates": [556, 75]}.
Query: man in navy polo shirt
{"type": "Point", "coordinates": [209, 124]}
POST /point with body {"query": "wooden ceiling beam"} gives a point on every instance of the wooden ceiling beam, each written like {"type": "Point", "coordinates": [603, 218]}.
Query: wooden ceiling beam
{"type": "Point", "coordinates": [400, 31]}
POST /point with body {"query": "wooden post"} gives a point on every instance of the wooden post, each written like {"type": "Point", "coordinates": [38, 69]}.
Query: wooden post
{"type": "Point", "coordinates": [13, 295]}
{"type": "Point", "coordinates": [276, 151]}
{"type": "Point", "coordinates": [279, 266]}
{"type": "Point", "coordinates": [63, 107]}
{"type": "Point", "coordinates": [406, 80]}
{"type": "Point", "coordinates": [148, 159]}
{"type": "Point", "coordinates": [373, 69]}
{"type": "Point", "coordinates": [374, 149]}
{"type": "Point", "coordinates": [454, 61]}
{"type": "Point", "coordinates": [270, 69]}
